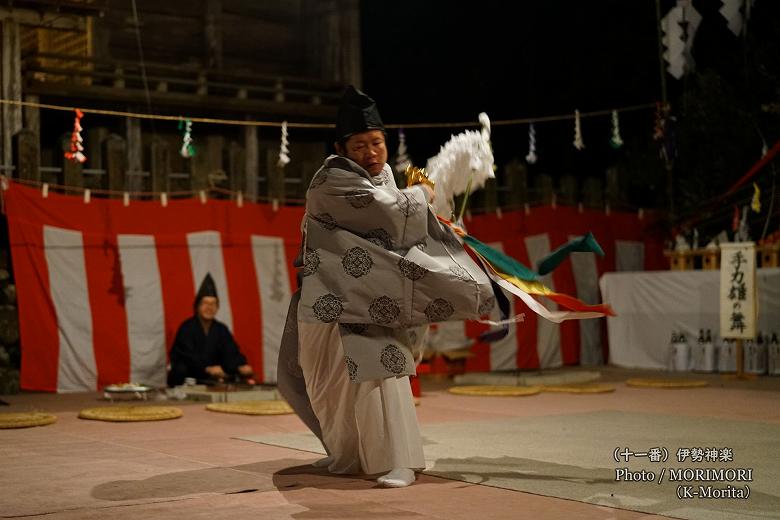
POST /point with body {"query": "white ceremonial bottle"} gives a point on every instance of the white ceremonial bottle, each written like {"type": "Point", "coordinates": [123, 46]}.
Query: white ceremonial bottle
{"type": "Point", "coordinates": [760, 349]}
{"type": "Point", "coordinates": [707, 353]}
{"type": "Point", "coordinates": [680, 354]}
{"type": "Point", "coordinates": [773, 356]}
{"type": "Point", "coordinates": [697, 354]}
{"type": "Point", "coordinates": [749, 356]}
{"type": "Point", "coordinates": [671, 351]}
{"type": "Point", "coordinates": [727, 356]}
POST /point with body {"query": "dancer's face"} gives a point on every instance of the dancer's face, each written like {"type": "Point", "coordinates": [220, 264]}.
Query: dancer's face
{"type": "Point", "coordinates": [368, 149]}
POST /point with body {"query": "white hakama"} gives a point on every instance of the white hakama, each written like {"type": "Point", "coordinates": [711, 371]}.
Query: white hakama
{"type": "Point", "coordinates": [369, 427]}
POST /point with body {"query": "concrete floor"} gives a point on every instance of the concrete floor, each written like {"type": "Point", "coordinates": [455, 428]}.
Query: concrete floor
{"type": "Point", "coordinates": [194, 467]}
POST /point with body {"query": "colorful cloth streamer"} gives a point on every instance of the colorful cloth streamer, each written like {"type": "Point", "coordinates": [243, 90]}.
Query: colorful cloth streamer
{"type": "Point", "coordinates": [755, 204]}
{"type": "Point", "coordinates": [578, 143]}
{"type": "Point", "coordinates": [584, 244]}
{"type": "Point", "coordinates": [75, 153]}
{"type": "Point", "coordinates": [531, 157]}
{"type": "Point", "coordinates": [524, 283]}
{"type": "Point", "coordinates": [187, 146]}
{"type": "Point", "coordinates": [615, 141]}
{"type": "Point", "coordinates": [284, 148]}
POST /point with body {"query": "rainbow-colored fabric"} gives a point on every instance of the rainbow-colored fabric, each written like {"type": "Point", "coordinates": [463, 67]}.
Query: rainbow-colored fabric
{"type": "Point", "coordinates": [524, 283]}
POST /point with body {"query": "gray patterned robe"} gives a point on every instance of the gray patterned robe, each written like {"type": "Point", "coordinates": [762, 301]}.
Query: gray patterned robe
{"type": "Point", "coordinates": [379, 263]}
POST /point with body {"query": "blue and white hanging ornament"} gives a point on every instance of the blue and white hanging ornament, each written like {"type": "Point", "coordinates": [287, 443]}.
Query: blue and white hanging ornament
{"type": "Point", "coordinates": [579, 144]}
{"type": "Point", "coordinates": [284, 149]}
{"type": "Point", "coordinates": [615, 141]}
{"type": "Point", "coordinates": [187, 147]}
{"type": "Point", "coordinates": [531, 157]}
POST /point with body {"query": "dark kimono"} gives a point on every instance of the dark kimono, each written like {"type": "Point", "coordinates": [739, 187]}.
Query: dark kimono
{"type": "Point", "coordinates": [193, 350]}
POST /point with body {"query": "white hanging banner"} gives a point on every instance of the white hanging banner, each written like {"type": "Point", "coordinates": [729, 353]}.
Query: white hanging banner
{"type": "Point", "coordinates": [736, 13]}
{"type": "Point", "coordinates": [738, 302]}
{"type": "Point", "coordinates": [679, 27]}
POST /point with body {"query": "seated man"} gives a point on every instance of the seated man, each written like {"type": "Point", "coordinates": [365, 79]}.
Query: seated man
{"type": "Point", "coordinates": [204, 348]}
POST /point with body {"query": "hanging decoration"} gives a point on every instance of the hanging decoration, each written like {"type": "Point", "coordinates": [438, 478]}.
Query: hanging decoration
{"type": "Point", "coordinates": [658, 128]}
{"type": "Point", "coordinates": [736, 13]}
{"type": "Point", "coordinates": [679, 28]}
{"type": "Point", "coordinates": [755, 204]}
{"type": "Point", "coordinates": [615, 141]}
{"type": "Point", "coordinates": [187, 147]}
{"type": "Point", "coordinates": [284, 148]}
{"type": "Point", "coordinates": [579, 144]}
{"type": "Point", "coordinates": [531, 157]}
{"type": "Point", "coordinates": [402, 160]}
{"type": "Point", "coordinates": [664, 133]}
{"type": "Point", "coordinates": [75, 153]}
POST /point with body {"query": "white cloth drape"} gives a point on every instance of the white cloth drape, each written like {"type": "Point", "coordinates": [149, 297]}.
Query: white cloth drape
{"type": "Point", "coordinates": [650, 305]}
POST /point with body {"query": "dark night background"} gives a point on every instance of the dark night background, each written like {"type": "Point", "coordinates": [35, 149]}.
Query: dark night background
{"type": "Point", "coordinates": [438, 61]}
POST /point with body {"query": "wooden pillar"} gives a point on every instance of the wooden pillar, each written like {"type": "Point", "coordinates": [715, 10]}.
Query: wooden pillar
{"type": "Point", "coordinates": [11, 77]}
{"type": "Point", "coordinates": [332, 29]}
{"type": "Point", "coordinates": [593, 194]}
{"type": "Point", "coordinates": [115, 158]}
{"type": "Point", "coordinates": [236, 170]}
{"type": "Point", "coordinates": [135, 180]}
{"type": "Point", "coordinates": [490, 196]}
{"type": "Point", "coordinates": [308, 157]}
{"type": "Point", "coordinates": [275, 177]}
{"type": "Point", "coordinates": [516, 178]}
{"type": "Point", "coordinates": [161, 166]}
{"type": "Point", "coordinates": [215, 154]}
{"type": "Point", "coordinates": [612, 191]}
{"type": "Point", "coordinates": [206, 166]}
{"type": "Point", "coordinates": [251, 162]}
{"type": "Point", "coordinates": [569, 190]}
{"type": "Point", "coordinates": [544, 188]}
{"type": "Point", "coordinates": [199, 171]}
{"type": "Point", "coordinates": [27, 157]}
{"type": "Point", "coordinates": [213, 33]}
{"type": "Point", "coordinates": [93, 144]}
{"type": "Point", "coordinates": [32, 117]}
{"type": "Point", "coordinates": [310, 167]}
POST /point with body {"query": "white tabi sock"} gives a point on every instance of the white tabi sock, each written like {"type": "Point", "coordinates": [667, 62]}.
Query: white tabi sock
{"type": "Point", "coordinates": [399, 477]}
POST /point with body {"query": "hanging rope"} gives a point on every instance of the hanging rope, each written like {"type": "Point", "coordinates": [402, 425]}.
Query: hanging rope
{"type": "Point", "coordinates": [241, 122]}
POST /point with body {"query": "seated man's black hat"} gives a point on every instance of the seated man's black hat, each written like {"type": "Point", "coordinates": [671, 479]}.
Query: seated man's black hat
{"type": "Point", "coordinates": [207, 288]}
{"type": "Point", "coordinates": [357, 113]}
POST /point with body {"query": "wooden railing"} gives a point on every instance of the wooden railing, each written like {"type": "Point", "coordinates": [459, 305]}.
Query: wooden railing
{"type": "Point", "coordinates": [767, 255]}
{"type": "Point", "coordinates": [47, 73]}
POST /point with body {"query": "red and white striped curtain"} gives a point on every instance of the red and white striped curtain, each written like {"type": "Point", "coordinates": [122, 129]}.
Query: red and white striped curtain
{"type": "Point", "coordinates": [102, 287]}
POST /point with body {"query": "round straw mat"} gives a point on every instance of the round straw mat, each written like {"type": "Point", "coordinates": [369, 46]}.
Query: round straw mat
{"type": "Point", "coordinates": [666, 383]}
{"type": "Point", "coordinates": [495, 390]}
{"type": "Point", "coordinates": [266, 407]}
{"type": "Point", "coordinates": [588, 388]}
{"type": "Point", "coordinates": [131, 413]}
{"type": "Point", "coordinates": [25, 419]}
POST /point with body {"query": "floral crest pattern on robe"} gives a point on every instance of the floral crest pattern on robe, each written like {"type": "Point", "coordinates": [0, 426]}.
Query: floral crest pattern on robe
{"type": "Point", "coordinates": [379, 263]}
